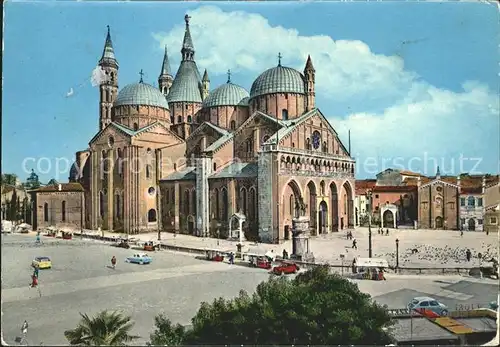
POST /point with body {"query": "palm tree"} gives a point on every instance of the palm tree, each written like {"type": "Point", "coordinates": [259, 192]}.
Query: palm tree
{"type": "Point", "coordinates": [105, 329]}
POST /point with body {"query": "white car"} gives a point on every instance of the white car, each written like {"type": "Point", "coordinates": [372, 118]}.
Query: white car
{"type": "Point", "coordinates": [428, 303]}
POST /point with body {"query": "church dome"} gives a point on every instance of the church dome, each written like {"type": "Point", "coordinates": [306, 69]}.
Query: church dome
{"type": "Point", "coordinates": [141, 94]}
{"type": "Point", "coordinates": [279, 79]}
{"type": "Point", "coordinates": [228, 94]}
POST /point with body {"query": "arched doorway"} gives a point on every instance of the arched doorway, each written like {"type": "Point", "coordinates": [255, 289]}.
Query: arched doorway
{"type": "Point", "coordinates": [439, 222]}
{"type": "Point", "coordinates": [472, 224]}
{"type": "Point", "coordinates": [388, 218]}
{"type": "Point", "coordinates": [323, 218]}
{"type": "Point", "coordinates": [334, 206]}
{"type": "Point", "coordinates": [152, 215]}
{"type": "Point", "coordinates": [347, 215]}
{"type": "Point", "coordinates": [311, 201]}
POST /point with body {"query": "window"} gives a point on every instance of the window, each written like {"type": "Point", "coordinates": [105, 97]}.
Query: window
{"type": "Point", "coordinates": [46, 212]}
{"type": "Point", "coordinates": [179, 119]}
{"type": "Point", "coordinates": [324, 148]}
{"type": "Point", "coordinates": [215, 166]}
{"type": "Point", "coordinates": [452, 205]}
{"type": "Point", "coordinates": [480, 202]}
{"type": "Point", "coordinates": [151, 191]}
{"type": "Point", "coordinates": [293, 144]}
{"type": "Point", "coordinates": [376, 196]}
{"type": "Point", "coordinates": [117, 203]}
{"type": "Point", "coordinates": [136, 126]}
{"type": "Point", "coordinates": [480, 222]}
{"type": "Point", "coordinates": [308, 143]}
{"type": "Point", "coordinates": [186, 202]}
{"type": "Point", "coordinates": [148, 171]}
{"type": "Point", "coordinates": [434, 303]}
{"type": "Point", "coordinates": [462, 201]}
{"type": "Point", "coordinates": [190, 119]}
{"type": "Point", "coordinates": [424, 304]}
{"type": "Point", "coordinates": [291, 205]}
{"type": "Point", "coordinates": [217, 205]}
{"type": "Point", "coordinates": [101, 204]}
{"type": "Point", "coordinates": [249, 146]}
{"type": "Point", "coordinates": [493, 220]}
{"type": "Point", "coordinates": [233, 125]}
{"type": "Point", "coordinates": [471, 201]}
{"type": "Point", "coordinates": [152, 215]}
{"type": "Point", "coordinates": [63, 211]}
{"type": "Point", "coordinates": [284, 114]}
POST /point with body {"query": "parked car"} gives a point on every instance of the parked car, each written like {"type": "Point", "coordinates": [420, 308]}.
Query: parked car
{"type": "Point", "coordinates": [122, 244]}
{"type": "Point", "coordinates": [428, 306]}
{"type": "Point", "coordinates": [260, 262]}
{"type": "Point", "coordinates": [42, 262]}
{"type": "Point", "coordinates": [285, 267]}
{"type": "Point", "coordinates": [140, 258]}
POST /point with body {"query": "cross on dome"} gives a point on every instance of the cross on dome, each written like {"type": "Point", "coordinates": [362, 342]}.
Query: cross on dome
{"type": "Point", "coordinates": [279, 59]}
{"type": "Point", "coordinates": [228, 76]}
{"type": "Point", "coordinates": [141, 73]}
{"type": "Point", "coordinates": [187, 18]}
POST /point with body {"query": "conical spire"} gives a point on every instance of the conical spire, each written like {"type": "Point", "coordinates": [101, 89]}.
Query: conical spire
{"type": "Point", "coordinates": [165, 68]}
{"type": "Point", "coordinates": [108, 54]}
{"type": "Point", "coordinates": [205, 76]}
{"type": "Point", "coordinates": [187, 44]}
{"type": "Point", "coordinates": [438, 174]}
{"type": "Point", "coordinates": [309, 64]}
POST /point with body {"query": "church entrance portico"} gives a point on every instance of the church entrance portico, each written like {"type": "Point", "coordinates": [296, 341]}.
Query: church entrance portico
{"type": "Point", "coordinates": [388, 215]}
{"type": "Point", "coordinates": [471, 225]}
{"type": "Point", "coordinates": [439, 222]}
{"type": "Point", "coordinates": [323, 218]}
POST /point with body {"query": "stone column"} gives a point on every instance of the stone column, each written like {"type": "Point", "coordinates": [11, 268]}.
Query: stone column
{"type": "Point", "coordinates": [110, 170]}
{"type": "Point", "coordinates": [176, 206]}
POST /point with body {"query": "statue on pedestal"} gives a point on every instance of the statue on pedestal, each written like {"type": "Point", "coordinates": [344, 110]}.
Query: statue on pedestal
{"type": "Point", "coordinates": [300, 207]}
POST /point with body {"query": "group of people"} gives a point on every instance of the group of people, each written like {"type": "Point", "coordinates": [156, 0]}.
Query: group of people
{"type": "Point", "coordinates": [380, 231]}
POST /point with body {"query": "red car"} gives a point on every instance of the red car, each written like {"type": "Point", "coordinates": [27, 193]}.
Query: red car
{"type": "Point", "coordinates": [261, 263]}
{"type": "Point", "coordinates": [286, 268]}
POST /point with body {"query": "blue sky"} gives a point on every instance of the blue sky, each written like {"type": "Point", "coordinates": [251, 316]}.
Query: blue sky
{"type": "Point", "coordinates": [416, 83]}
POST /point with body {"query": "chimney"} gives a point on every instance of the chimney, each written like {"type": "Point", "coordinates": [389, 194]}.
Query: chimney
{"type": "Point", "coordinates": [60, 187]}
{"type": "Point", "coordinates": [458, 184]}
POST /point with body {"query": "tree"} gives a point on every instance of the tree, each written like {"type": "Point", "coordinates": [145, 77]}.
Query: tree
{"type": "Point", "coordinates": [9, 179]}
{"type": "Point", "coordinates": [315, 308]}
{"type": "Point", "coordinates": [105, 329]}
{"type": "Point", "coordinates": [13, 207]}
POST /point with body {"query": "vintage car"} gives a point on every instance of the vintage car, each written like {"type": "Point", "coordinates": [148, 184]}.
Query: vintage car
{"type": "Point", "coordinates": [428, 307]}
{"type": "Point", "coordinates": [67, 235]}
{"type": "Point", "coordinates": [122, 244]}
{"type": "Point", "coordinates": [285, 267]}
{"type": "Point", "coordinates": [260, 262]}
{"type": "Point", "coordinates": [139, 258]}
{"type": "Point", "coordinates": [214, 255]}
{"type": "Point", "coordinates": [42, 262]}
{"type": "Point", "coordinates": [150, 246]}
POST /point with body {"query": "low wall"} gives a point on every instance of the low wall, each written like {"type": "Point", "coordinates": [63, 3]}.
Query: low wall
{"type": "Point", "coordinates": [335, 267]}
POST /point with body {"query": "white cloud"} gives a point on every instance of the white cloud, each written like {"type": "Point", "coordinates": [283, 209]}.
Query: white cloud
{"type": "Point", "coordinates": [418, 117]}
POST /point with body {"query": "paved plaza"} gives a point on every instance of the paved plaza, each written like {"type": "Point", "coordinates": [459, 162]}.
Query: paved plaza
{"type": "Point", "coordinates": [435, 247]}
{"type": "Point", "coordinates": [176, 284]}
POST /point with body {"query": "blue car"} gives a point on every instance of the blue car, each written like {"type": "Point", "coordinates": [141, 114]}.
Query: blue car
{"type": "Point", "coordinates": [139, 258]}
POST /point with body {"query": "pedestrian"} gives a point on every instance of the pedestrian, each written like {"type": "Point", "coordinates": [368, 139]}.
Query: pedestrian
{"type": "Point", "coordinates": [113, 262]}
{"type": "Point", "coordinates": [387, 232]}
{"type": "Point", "coordinates": [35, 271]}
{"type": "Point", "coordinates": [285, 254]}
{"type": "Point", "coordinates": [468, 254]}
{"type": "Point", "coordinates": [354, 244]}
{"type": "Point", "coordinates": [38, 241]}
{"type": "Point", "coordinates": [231, 258]}
{"type": "Point", "coordinates": [461, 233]}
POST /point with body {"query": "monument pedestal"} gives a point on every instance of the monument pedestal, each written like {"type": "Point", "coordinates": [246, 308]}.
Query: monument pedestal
{"type": "Point", "coordinates": [300, 241]}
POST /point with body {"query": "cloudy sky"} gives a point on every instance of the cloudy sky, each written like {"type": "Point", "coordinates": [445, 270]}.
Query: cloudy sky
{"type": "Point", "coordinates": [416, 83]}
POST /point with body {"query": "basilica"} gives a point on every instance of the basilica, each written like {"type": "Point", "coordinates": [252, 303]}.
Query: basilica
{"type": "Point", "coordinates": [188, 158]}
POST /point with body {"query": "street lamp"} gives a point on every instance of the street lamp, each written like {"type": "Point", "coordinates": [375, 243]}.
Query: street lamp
{"type": "Point", "coordinates": [342, 259]}
{"type": "Point", "coordinates": [369, 195]}
{"type": "Point", "coordinates": [218, 232]}
{"type": "Point", "coordinates": [397, 253]}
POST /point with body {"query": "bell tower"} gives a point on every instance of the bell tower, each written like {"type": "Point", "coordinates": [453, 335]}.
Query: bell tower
{"type": "Point", "coordinates": [108, 86]}
{"type": "Point", "coordinates": [309, 73]}
{"type": "Point", "coordinates": [205, 83]}
{"type": "Point", "coordinates": [165, 80]}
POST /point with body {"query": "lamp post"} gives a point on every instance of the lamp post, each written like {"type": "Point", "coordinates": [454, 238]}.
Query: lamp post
{"type": "Point", "coordinates": [369, 195]}
{"type": "Point", "coordinates": [397, 254]}
{"type": "Point", "coordinates": [342, 259]}
{"type": "Point", "coordinates": [218, 232]}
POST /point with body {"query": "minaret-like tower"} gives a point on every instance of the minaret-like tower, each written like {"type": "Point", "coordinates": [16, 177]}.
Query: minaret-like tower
{"type": "Point", "coordinates": [187, 50]}
{"type": "Point", "coordinates": [309, 74]}
{"type": "Point", "coordinates": [438, 174]}
{"type": "Point", "coordinates": [205, 82]}
{"type": "Point", "coordinates": [109, 85]}
{"type": "Point", "coordinates": [165, 80]}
